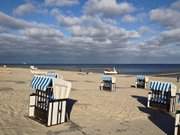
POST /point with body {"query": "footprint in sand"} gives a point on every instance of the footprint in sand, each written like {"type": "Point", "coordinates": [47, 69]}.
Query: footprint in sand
{"type": "Point", "coordinates": [6, 89]}
{"type": "Point", "coordinates": [6, 109]}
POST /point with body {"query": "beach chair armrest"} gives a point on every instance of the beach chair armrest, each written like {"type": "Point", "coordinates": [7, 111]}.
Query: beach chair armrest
{"type": "Point", "coordinates": [33, 94]}
{"type": "Point", "coordinates": [173, 97]}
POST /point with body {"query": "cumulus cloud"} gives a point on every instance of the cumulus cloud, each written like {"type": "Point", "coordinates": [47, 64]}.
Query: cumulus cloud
{"type": "Point", "coordinates": [144, 29]}
{"type": "Point", "coordinates": [29, 30]}
{"type": "Point", "coordinates": [128, 19]}
{"type": "Point", "coordinates": [92, 37]}
{"type": "Point", "coordinates": [170, 37]}
{"type": "Point", "coordinates": [168, 41]}
{"type": "Point", "coordinates": [169, 17]}
{"type": "Point", "coordinates": [65, 20]}
{"type": "Point", "coordinates": [88, 38]}
{"type": "Point", "coordinates": [12, 23]}
{"type": "Point", "coordinates": [95, 27]}
{"type": "Point", "coordinates": [61, 2]}
{"type": "Point", "coordinates": [176, 4]}
{"type": "Point", "coordinates": [102, 31]}
{"type": "Point", "coordinates": [108, 8]}
{"type": "Point", "coordinates": [24, 9]}
{"type": "Point", "coordinates": [43, 32]}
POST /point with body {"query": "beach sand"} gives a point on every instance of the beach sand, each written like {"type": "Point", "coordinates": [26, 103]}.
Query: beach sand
{"type": "Point", "coordinates": [94, 112]}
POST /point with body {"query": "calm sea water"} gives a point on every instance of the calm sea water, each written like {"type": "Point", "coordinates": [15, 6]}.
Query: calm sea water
{"type": "Point", "coordinates": [122, 68]}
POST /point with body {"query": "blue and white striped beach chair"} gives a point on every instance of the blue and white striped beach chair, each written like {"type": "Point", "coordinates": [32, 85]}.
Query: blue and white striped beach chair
{"type": "Point", "coordinates": [108, 83]}
{"type": "Point", "coordinates": [141, 81]}
{"type": "Point", "coordinates": [48, 100]}
{"type": "Point", "coordinates": [162, 95]}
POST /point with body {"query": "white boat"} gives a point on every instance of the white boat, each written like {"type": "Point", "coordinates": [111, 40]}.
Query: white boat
{"type": "Point", "coordinates": [33, 67]}
{"type": "Point", "coordinates": [4, 66]}
{"type": "Point", "coordinates": [110, 71]}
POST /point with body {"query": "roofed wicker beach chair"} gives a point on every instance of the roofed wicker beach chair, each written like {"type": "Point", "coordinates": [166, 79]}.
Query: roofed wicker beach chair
{"type": "Point", "coordinates": [141, 81]}
{"type": "Point", "coordinates": [162, 95]}
{"type": "Point", "coordinates": [49, 99]}
{"type": "Point", "coordinates": [108, 83]}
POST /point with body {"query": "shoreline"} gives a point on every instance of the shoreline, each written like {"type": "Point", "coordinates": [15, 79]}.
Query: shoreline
{"type": "Point", "coordinates": [162, 74]}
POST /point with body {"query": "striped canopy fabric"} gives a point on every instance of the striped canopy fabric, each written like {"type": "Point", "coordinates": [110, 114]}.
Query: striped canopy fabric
{"type": "Point", "coordinates": [140, 77]}
{"type": "Point", "coordinates": [161, 86]}
{"type": "Point", "coordinates": [160, 91]}
{"type": "Point", "coordinates": [106, 78]}
{"type": "Point", "coordinates": [41, 82]}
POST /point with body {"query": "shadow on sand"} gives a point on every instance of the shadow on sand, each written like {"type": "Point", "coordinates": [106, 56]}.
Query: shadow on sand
{"type": "Point", "coordinates": [70, 104]}
{"type": "Point", "coordinates": [162, 120]}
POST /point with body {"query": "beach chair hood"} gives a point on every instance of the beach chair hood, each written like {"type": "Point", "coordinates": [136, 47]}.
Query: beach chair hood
{"type": "Point", "coordinates": [61, 88]}
{"type": "Point", "coordinates": [41, 82]}
{"type": "Point", "coordinates": [108, 78]}
{"type": "Point", "coordinates": [142, 77]}
{"type": "Point", "coordinates": [163, 86]}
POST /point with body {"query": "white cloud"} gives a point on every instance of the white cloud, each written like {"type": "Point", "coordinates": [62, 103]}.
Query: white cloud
{"type": "Point", "coordinates": [65, 20]}
{"type": "Point", "coordinates": [170, 37]}
{"type": "Point", "coordinates": [170, 18]}
{"type": "Point", "coordinates": [93, 26]}
{"type": "Point", "coordinates": [43, 32]}
{"type": "Point", "coordinates": [166, 17]}
{"type": "Point", "coordinates": [108, 7]}
{"type": "Point", "coordinates": [128, 19]}
{"type": "Point", "coordinates": [12, 23]}
{"type": "Point", "coordinates": [144, 29]}
{"type": "Point", "coordinates": [92, 36]}
{"type": "Point", "coordinates": [176, 4]}
{"type": "Point", "coordinates": [100, 30]}
{"type": "Point", "coordinates": [61, 2]}
{"type": "Point", "coordinates": [31, 30]}
{"type": "Point", "coordinates": [24, 9]}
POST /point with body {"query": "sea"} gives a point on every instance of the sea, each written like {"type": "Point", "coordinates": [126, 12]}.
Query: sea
{"type": "Point", "coordinates": [134, 69]}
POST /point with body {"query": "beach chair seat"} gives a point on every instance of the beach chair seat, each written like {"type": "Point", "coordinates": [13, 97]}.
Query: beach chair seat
{"type": "Point", "coordinates": [49, 99]}
{"type": "Point", "coordinates": [108, 83]}
{"type": "Point", "coordinates": [162, 95]}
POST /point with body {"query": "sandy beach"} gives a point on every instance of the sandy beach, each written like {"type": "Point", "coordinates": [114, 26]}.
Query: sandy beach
{"type": "Point", "coordinates": [94, 112]}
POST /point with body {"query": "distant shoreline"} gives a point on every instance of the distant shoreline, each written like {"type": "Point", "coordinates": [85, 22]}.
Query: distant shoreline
{"type": "Point", "coordinates": [97, 70]}
{"type": "Point", "coordinates": [130, 69]}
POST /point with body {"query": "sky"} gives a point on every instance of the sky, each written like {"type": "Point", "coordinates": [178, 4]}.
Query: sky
{"type": "Point", "coordinates": [90, 31]}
